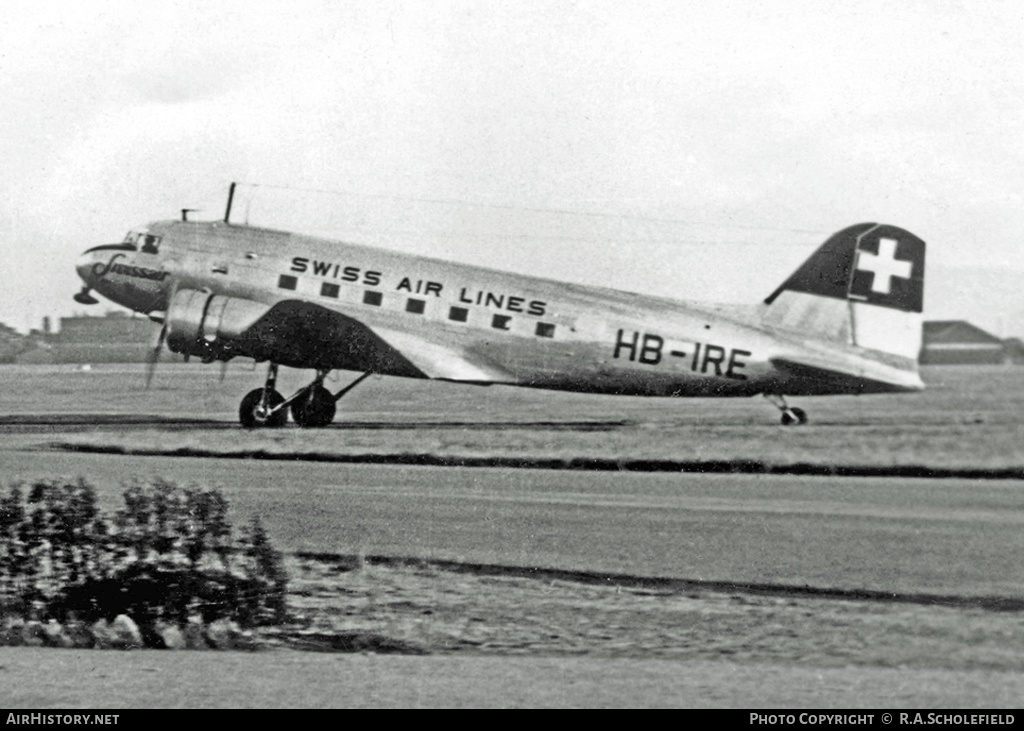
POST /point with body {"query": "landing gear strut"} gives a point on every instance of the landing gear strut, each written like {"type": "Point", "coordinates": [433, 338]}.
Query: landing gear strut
{"type": "Point", "coordinates": [311, 406]}
{"type": "Point", "coordinates": [790, 415]}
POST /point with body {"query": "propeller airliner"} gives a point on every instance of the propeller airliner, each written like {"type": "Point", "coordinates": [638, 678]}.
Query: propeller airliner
{"type": "Point", "coordinates": [847, 321]}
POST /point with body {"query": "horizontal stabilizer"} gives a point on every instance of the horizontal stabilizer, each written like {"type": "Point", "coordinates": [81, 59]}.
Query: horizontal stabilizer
{"type": "Point", "coordinates": [812, 378]}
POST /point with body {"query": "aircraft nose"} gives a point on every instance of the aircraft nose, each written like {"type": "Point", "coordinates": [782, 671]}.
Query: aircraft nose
{"type": "Point", "coordinates": [84, 266]}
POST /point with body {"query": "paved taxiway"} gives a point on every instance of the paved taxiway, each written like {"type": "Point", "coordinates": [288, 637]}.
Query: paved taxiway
{"type": "Point", "coordinates": [946, 537]}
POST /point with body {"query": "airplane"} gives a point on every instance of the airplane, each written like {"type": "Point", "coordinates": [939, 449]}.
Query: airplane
{"type": "Point", "coordinates": [847, 321]}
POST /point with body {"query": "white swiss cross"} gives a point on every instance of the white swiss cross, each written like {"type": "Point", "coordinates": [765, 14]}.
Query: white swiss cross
{"type": "Point", "coordinates": [884, 265]}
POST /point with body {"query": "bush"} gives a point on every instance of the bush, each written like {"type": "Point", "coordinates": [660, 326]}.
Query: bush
{"type": "Point", "coordinates": [168, 555]}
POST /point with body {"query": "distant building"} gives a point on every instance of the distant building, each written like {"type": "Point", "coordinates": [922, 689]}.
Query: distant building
{"type": "Point", "coordinates": [956, 342]}
{"type": "Point", "coordinates": [114, 338]}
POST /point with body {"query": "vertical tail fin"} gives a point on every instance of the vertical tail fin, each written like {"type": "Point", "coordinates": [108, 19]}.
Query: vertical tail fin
{"type": "Point", "coordinates": [864, 286]}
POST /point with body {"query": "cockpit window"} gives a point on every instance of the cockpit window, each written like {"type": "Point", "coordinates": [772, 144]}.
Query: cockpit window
{"type": "Point", "coordinates": [150, 243]}
{"type": "Point", "coordinates": [141, 241]}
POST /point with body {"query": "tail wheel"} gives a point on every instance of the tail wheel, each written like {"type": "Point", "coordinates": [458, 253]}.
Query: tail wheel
{"type": "Point", "coordinates": [253, 415]}
{"type": "Point", "coordinates": [315, 408]}
{"type": "Point", "coordinates": [794, 416]}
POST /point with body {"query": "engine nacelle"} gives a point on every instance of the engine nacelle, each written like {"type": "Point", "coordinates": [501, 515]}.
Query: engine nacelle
{"type": "Point", "coordinates": [208, 325]}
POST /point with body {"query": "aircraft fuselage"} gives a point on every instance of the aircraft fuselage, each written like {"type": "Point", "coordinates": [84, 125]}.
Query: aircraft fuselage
{"type": "Point", "coordinates": [431, 318]}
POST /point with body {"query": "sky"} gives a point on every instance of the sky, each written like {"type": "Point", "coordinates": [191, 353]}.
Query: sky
{"type": "Point", "coordinates": [689, 149]}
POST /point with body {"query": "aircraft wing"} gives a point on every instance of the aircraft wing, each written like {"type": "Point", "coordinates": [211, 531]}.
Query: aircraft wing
{"type": "Point", "coordinates": [304, 334]}
{"type": "Point", "coordinates": [310, 335]}
{"type": "Point", "coordinates": [443, 362]}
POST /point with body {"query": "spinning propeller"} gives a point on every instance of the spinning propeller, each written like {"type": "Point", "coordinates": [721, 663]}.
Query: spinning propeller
{"type": "Point", "coordinates": [154, 355]}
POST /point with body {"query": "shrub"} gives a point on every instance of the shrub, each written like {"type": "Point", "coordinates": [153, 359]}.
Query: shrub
{"type": "Point", "coordinates": [168, 555]}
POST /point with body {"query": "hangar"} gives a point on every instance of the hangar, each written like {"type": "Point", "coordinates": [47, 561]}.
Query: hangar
{"type": "Point", "coordinates": [958, 342]}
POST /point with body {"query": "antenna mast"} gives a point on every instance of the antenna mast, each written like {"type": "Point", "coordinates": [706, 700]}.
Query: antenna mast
{"type": "Point", "coordinates": [231, 197]}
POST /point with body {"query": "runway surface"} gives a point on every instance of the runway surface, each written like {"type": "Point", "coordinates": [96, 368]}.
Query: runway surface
{"type": "Point", "coordinates": [951, 538]}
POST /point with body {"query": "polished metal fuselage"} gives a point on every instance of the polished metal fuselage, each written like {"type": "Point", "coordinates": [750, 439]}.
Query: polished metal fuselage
{"type": "Point", "coordinates": [467, 323]}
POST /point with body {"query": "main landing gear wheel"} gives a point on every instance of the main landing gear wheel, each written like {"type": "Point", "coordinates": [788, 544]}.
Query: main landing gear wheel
{"type": "Point", "coordinates": [793, 416]}
{"type": "Point", "coordinates": [255, 412]}
{"type": "Point", "coordinates": [312, 406]}
{"type": "Point", "coordinates": [315, 408]}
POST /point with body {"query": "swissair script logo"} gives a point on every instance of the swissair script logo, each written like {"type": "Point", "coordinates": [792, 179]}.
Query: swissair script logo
{"type": "Point", "coordinates": [884, 266]}
{"type": "Point", "coordinates": [100, 270]}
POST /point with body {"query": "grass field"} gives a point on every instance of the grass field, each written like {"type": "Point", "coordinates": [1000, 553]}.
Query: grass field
{"type": "Point", "coordinates": [969, 418]}
{"type": "Point", "coordinates": [585, 644]}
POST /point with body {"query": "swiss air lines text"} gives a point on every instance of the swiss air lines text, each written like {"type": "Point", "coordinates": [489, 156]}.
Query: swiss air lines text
{"type": "Point", "coordinates": [706, 358]}
{"type": "Point", "coordinates": [467, 295]}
